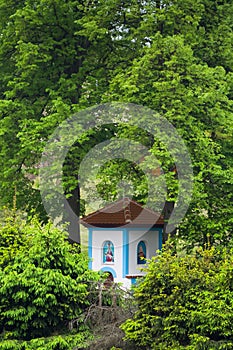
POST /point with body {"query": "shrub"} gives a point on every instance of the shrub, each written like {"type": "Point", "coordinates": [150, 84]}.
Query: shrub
{"type": "Point", "coordinates": [184, 302]}
{"type": "Point", "coordinates": [45, 286]}
{"type": "Point", "coordinates": [12, 236]}
{"type": "Point", "coordinates": [68, 342]}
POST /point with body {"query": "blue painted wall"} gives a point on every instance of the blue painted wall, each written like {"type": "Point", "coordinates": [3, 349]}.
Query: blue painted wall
{"type": "Point", "coordinates": [90, 247]}
{"type": "Point", "coordinates": [160, 238]}
{"type": "Point", "coordinates": [125, 243]}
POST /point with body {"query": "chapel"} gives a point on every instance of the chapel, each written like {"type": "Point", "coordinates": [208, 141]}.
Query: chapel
{"type": "Point", "coordinates": [121, 237]}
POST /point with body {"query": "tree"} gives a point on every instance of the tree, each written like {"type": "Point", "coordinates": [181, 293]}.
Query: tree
{"type": "Point", "coordinates": [196, 99]}
{"type": "Point", "coordinates": [59, 58]}
{"type": "Point", "coordinates": [184, 302]}
{"type": "Point", "coordinates": [172, 75]}
{"type": "Point", "coordinates": [52, 54]}
{"type": "Point", "coordinates": [45, 286]}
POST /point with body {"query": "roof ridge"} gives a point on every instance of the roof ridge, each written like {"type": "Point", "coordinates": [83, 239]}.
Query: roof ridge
{"type": "Point", "coordinates": [127, 211]}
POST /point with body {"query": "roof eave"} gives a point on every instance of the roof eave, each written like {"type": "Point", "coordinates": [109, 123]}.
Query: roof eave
{"type": "Point", "coordinates": [99, 225]}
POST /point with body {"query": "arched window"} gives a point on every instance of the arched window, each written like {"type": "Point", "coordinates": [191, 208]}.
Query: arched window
{"type": "Point", "coordinates": [108, 252]}
{"type": "Point", "coordinates": [141, 252]}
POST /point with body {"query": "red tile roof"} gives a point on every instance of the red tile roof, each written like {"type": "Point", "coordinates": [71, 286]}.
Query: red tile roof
{"type": "Point", "coordinates": [124, 212]}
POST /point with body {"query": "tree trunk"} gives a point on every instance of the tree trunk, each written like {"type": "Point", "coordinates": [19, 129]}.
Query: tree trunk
{"type": "Point", "coordinates": [73, 213]}
{"type": "Point", "coordinates": [168, 208]}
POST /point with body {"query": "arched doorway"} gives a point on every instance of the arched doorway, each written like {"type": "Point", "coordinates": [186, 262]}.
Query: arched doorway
{"type": "Point", "coordinates": [109, 280]}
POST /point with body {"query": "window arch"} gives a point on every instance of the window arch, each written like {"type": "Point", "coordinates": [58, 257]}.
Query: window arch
{"type": "Point", "coordinates": [108, 252]}
{"type": "Point", "coordinates": [141, 253]}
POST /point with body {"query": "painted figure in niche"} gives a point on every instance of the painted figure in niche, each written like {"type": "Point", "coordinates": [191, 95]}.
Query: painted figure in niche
{"type": "Point", "coordinates": [108, 252]}
{"type": "Point", "coordinates": [141, 253]}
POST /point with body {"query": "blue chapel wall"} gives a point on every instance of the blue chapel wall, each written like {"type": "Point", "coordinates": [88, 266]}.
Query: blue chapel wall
{"type": "Point", "coordinates": [125, 265]}
{"type": "Point", "coordinates": [125, 248]}
{"type": "Point", "coordinates": [90, 248]}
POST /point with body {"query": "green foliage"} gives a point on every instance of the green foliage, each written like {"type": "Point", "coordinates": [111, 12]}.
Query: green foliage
{"type": "Point", "coordinates": [197, 100]}
{"type": "Point", "coordinates": [184, 302]}
{"type": "Point", "coordinates": [11, 236]}
{"type": "Point", "coordinates": [66, 342]}
{"type": "Point", "coordinates": [45, 286]}
{"type": "Point", "coordinates": [57, 58]}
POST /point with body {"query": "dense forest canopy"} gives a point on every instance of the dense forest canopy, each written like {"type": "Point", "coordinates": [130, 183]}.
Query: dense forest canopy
{"type": "Point", "coordinates": [58, 58]}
